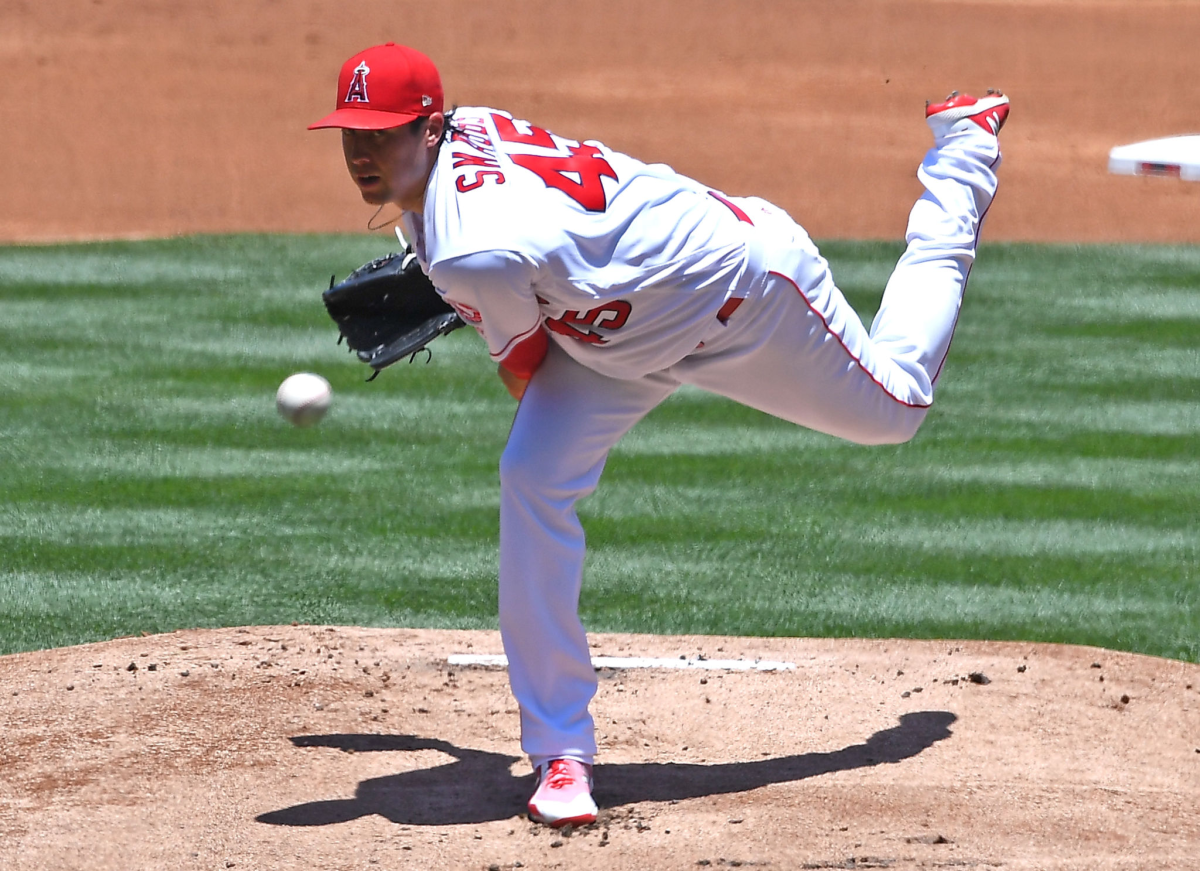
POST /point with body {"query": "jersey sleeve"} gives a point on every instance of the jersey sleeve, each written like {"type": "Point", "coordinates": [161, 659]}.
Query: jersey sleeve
{"type": "Point", "coordinates": [493, 291]}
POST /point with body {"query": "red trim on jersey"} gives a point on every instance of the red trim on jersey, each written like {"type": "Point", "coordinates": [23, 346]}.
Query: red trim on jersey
{"type": "Point", "coordinates": [527, 355]}
{"type": "Point", "coordinates": [514, 341]}
{"type": "Point", "coordinates": [849, 353]}
{"type": "Point", "coordinates": [741, 216]}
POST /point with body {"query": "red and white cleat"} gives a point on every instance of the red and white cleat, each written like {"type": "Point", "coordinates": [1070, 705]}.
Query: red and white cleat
{"type": "Point", "coordinates": [564, 794]}
{"type": "Point", "coordinates": [989, 112]}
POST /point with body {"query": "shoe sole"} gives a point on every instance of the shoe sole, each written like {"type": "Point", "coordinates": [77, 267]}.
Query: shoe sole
{"type": "Point", "coordinates": [580, 820]}
{"type": "Point", "coordinates": [980, 106]}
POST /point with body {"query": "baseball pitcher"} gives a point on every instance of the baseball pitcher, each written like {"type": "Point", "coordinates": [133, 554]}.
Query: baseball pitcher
{"type": "Point", "coordinates": [600, 284]}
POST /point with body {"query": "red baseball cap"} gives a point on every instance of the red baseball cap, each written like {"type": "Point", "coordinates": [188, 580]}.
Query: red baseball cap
{"type": "Point", "coordinates": [385, 86]}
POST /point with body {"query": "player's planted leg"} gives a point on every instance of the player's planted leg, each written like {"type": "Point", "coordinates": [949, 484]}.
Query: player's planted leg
{"type": "Point", "coordinates": [554, 457]}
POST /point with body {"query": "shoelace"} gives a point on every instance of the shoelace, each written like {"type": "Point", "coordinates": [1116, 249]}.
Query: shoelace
{"type": "Point", "coordinates": [559, 776]}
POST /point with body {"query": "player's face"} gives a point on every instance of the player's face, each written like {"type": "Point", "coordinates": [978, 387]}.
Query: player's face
{"type": "Point", "coordinates": [393, 165]}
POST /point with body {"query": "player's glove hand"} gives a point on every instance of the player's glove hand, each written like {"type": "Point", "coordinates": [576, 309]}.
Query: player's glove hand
{"type": "Point", "coordinates": [388, 309]}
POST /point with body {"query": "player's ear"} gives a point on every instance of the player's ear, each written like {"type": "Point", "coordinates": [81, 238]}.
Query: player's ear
{"type": "Point", "coordinates": [434, 129]}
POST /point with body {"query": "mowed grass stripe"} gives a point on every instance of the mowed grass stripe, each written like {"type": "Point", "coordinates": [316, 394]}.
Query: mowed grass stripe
{"type": "Point", "coordinates": [146, 482]}
{"type": "Point", "coordinates": [691, 594]}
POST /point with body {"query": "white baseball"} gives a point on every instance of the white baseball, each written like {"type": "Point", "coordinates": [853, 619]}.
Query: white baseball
{"type": "Point", "coordinates": [303, 398]}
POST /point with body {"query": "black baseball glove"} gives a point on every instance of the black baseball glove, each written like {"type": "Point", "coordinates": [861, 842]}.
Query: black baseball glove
{"type": "Point", "coordinates": [387, 310]}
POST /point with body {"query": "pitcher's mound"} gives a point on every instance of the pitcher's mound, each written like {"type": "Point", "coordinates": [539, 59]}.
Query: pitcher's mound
{"type": "Point", "coordinates": [335, 748]}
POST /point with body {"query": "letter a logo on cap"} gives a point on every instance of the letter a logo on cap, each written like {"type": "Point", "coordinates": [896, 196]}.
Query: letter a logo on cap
{"type": "Point", "coordinates": [405, 85]}
{"type": "Point", "coordinates": [357, 92]}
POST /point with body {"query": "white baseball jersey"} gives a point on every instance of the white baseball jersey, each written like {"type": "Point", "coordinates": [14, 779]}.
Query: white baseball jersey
{"type": "Point", "coordinates": [626, 264]}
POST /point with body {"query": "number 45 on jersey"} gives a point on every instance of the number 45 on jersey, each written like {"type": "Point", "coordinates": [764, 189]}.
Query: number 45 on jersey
{"type": "Point", "coordinates": [577, 173]}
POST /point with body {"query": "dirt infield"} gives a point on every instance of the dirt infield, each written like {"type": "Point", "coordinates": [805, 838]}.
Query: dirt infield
{"type": "Point", "coordinates": [341, 748]}
{"type": "Point", "coordinates": [132, 117]}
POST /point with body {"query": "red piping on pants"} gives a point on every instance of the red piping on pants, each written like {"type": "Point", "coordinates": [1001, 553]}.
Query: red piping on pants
{"type": "Point", "coordinates": [850, 354]}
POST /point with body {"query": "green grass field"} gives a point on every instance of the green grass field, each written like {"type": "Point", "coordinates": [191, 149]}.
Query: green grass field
{"type": "Point", "coordinates": [147, 484]}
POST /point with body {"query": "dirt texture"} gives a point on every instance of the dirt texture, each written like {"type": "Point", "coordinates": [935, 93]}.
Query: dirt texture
{"type": "Point", "coordinates": [308, 747]}
{"type": "Point", "coordinates": [144, 117]}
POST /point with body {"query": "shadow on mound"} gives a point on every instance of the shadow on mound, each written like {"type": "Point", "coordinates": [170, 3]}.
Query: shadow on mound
{"type": "Point", "coordinates": [479, 787]}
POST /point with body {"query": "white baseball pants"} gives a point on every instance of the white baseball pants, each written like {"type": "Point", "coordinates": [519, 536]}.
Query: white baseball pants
{"type": "Point", "coordinates": [797, 350]}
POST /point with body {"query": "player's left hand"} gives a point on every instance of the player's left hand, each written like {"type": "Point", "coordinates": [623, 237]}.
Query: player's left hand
{"type": "Point", "coordinates": [388, 309]}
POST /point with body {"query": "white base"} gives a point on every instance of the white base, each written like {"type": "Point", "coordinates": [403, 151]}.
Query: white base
{"type": "Point", "coordinates": [1173, 157]}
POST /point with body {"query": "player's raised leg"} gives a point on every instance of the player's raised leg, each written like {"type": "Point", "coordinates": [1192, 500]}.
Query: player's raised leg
{"type": "Point", "coordinates": [801, 353]}
{"type": "Point", "coordinates": [568, 420]}
{"type": "Point", "coordinates": [920, 306]}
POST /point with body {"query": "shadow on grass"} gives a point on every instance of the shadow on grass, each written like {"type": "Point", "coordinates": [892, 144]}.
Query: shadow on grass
{"type": "Point", "coordinates": [478, 787]}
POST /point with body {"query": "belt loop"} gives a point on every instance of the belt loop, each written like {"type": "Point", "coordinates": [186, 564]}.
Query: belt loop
{"type": "Point", "coordinates": [754, 273]}
{"type": "Point", "coordinates": [727, 310]}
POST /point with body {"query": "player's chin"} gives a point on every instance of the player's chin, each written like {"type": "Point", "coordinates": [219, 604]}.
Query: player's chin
{"type": "Point", "coordinates": [372, 189]}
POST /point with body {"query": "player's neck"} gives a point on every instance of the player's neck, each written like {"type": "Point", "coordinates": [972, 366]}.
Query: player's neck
{"type": "Point", "coordinates": [413, 199]}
